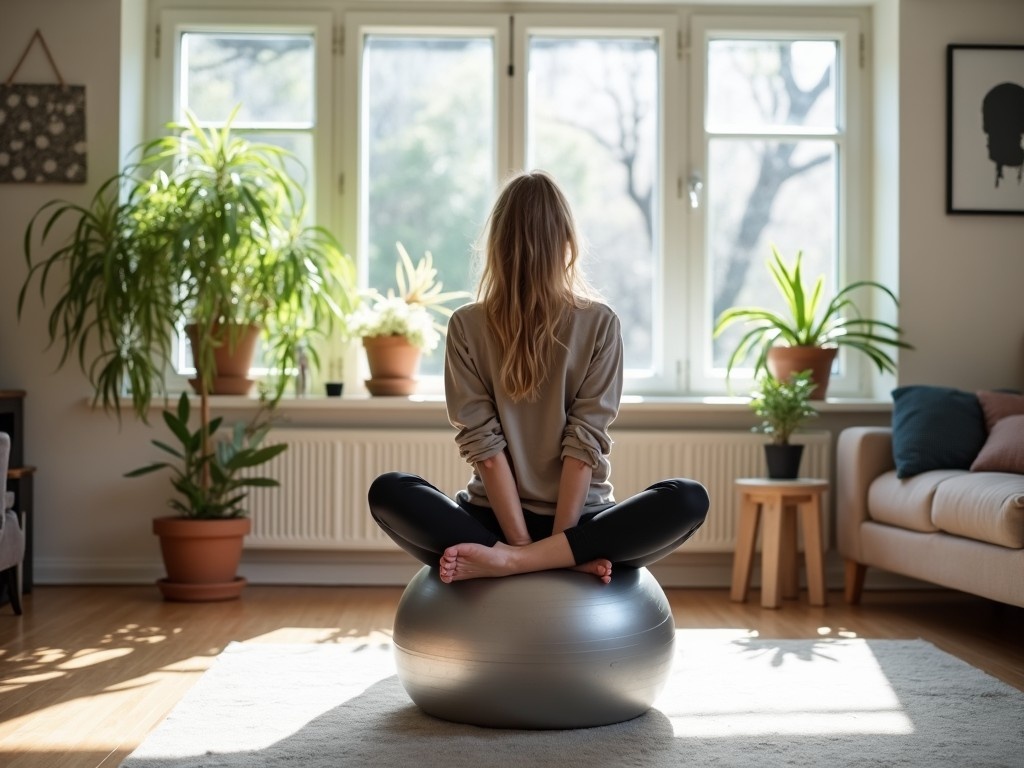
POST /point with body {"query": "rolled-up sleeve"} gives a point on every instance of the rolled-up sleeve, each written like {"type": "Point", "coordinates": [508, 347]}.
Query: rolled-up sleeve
{"type": "Point", "coordinates": [595, 405]}
{"type": "Point", "coordinates": [471, 408]}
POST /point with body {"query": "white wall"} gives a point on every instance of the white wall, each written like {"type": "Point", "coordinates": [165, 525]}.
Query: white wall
{"type": "Point", "coordinates": [959, 277]}
{"type": "Point", "coordinates": [86, 512]}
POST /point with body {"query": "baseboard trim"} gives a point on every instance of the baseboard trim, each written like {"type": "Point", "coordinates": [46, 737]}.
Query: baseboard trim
{"type": "Point", "coordinates": [696, 571]}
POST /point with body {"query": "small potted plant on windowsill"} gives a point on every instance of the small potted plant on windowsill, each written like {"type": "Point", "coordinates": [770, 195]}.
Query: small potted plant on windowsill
{"type": "Point", "coordinates": [397, 328]}
{"type": "Point", "coordinates": [782, 406]}
{"type": "Point", "coordinates": [803, 338]}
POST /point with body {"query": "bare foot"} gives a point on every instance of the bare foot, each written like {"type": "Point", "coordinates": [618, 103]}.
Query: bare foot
{"type": "Point", "coordinates": [475, 561]}
{"type": "Point", "coordinates": [601, 568]}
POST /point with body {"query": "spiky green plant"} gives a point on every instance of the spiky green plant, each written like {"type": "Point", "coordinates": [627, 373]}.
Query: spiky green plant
{"type": "Point", "coordinates": [807, 322]}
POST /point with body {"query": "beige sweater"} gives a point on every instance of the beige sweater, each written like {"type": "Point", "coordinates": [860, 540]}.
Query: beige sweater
{"type": "Point", "coordinates": [579, 400]}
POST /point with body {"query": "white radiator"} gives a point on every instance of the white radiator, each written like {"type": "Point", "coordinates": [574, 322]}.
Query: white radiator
{"type": "Point", "coordinates": [324, 475]}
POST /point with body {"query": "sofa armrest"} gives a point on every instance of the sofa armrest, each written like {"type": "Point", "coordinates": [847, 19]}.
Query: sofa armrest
{"type": "Point", "coordinates": [862, 454]}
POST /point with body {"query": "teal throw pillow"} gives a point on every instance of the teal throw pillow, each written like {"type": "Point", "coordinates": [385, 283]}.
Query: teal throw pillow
{"type": "Point", "coordinates": [935, 428]}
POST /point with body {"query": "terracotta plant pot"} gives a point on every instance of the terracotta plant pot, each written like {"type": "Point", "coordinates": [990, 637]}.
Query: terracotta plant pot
{"type": "Point", "coordinates": [393, 365]}
{"type": "Point", "coordinates": [201, 557]}
{"type": "Point", "coordinates": [232, 360]}
{"type": "Point", "coordinates": [785, 361]}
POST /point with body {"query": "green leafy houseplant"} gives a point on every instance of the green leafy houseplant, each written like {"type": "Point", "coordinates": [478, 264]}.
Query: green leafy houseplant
{"type": "Point", "coordinates": [227, 488]}
{"type": "Point", "coordinates": [808, 322]}
{"type": "Point", "coordinates": [206, 228]}
{"type": "Point", "coordinates": [782, 405]}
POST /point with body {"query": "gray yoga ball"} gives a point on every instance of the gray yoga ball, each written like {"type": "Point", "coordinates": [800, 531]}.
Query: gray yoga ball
{"type": "Point", "coordinates": [556, 649]}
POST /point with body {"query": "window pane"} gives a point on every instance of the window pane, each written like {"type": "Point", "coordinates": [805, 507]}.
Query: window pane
{"type": "Point", "coordinates": [764, 193]}
{"type": "Point", "coordinates": [428, 154]}
{"type": "Point", "coordinates": [592, 122]}
{"type": "Point", "coordinates": [269, 75]}
{"type": "Point", "coordinates": [760, 85]}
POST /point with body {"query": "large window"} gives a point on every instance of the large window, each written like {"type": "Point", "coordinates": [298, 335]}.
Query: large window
{"type": "Point", "coordinates": [447, 110]}
{"type": "Point", "coordinates": [688, 145]}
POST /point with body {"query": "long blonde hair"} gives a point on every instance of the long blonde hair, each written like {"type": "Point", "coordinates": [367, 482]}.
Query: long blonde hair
{"type": "Point", "coordinates": [530, 280]}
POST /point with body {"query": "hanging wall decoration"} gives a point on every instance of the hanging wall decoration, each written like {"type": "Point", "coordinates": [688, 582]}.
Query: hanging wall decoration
{"type": "Point", "coordinates": [985, 129]}
{"type": "Point", "coordinates": [42, 128]}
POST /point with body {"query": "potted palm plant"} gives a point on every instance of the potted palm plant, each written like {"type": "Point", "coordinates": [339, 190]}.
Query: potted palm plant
{"type": "Point", "coordinates": [397, 328]}
{"type": "Point", "coordinates": [782, 405]}
{"type": "Point", "coordinates": [206, 229]}
{"type": "Point", "coordinates": [807, 335]}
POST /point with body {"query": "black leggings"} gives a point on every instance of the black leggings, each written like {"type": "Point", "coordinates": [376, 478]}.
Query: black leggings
{"type": "Point", "coordinates": [636, 532]}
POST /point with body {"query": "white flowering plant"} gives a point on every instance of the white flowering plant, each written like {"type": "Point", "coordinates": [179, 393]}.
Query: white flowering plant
{"type": "Point", "coordinates": [393, 316]}
{"type": "Point", "coordinates": [407, 311]}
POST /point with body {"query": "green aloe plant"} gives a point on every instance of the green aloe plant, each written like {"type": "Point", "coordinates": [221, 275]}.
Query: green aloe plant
{"type": "Point", "coordinates": [807, 321]}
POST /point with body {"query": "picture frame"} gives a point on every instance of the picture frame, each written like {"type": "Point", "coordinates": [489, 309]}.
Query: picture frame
{"type": "Point", "coordinates": [984, 135]}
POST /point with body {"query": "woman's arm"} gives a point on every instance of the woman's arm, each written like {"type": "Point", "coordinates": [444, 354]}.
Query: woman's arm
{"type": "Point", "coordinates": [573, 487]}
{"type": "Point", "coordinates": [504, 497]}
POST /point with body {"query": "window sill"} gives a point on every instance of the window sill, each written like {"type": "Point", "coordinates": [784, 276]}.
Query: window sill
{"type": "Point", "coordinates": [636, 412]}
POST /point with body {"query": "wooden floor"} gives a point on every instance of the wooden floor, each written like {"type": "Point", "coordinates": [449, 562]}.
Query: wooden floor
{"type": "Point", "coordinates": [87, 672]}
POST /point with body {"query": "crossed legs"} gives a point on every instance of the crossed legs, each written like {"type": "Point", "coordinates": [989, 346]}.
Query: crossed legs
{"type": "Point", "coordinates": [466, 542]}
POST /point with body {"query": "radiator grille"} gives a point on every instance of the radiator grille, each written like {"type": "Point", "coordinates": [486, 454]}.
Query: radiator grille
{"type": "Point", "coordinates": [324, 475]}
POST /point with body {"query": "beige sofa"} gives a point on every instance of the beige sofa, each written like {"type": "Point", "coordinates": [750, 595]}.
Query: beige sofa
{"type": "Point", "coordinates": [953, 527]}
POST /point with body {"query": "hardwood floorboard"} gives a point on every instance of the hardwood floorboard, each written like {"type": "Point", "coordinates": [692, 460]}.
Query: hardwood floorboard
{"type": "Point", "coordinates": [87, 672]}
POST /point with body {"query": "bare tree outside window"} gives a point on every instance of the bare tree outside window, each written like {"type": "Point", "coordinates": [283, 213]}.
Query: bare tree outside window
{"type": "Point", "coordinates": [772, 166]}
{"type": "Point", "coordinates": [592, 121]}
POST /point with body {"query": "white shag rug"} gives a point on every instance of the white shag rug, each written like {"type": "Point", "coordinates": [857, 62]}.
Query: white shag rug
{"type": "Point", "coordinates": [731, 701]}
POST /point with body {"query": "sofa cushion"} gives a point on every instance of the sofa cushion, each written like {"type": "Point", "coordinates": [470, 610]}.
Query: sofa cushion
{"type": "Point", "coordinates": [984, 506]}
{"type": "Point", "coordinates": [907, 503]}
{"type": "Point", "coordinates": [1004, 449]}
{"type": "Point", "coordinates": [935, 428]}
{"type": "Point", "coordinates": [998, 405]}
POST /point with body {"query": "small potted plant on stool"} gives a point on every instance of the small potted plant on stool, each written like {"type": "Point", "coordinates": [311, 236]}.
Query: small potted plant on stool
{"type": "Point", "coordinates": [782, 406]}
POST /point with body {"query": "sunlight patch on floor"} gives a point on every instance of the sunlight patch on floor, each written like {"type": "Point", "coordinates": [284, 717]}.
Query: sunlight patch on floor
{"type": "Point", "coordinates": [816, 693]}
{"type": "Point", "coordinates": [87, 657]}
{"type": "Point", "coordinates": [350, 637]}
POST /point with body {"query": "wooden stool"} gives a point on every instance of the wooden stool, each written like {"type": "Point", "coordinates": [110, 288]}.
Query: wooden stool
{"type": "Point", "coordinates": [780, 500]}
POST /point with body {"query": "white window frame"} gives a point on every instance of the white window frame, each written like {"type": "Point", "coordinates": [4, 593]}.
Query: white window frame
{"type": "Point", "coordinates": [511, 44]}
{"type": "Point", "coordinates": [853, 261]}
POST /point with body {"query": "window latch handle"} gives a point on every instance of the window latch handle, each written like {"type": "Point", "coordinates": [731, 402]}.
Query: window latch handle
{"type": "Point", "coordinates": [696, 186]}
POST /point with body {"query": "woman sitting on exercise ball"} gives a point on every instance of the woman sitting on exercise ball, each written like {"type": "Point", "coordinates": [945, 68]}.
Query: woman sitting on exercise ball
{"type": "Point", "coordinates": [533, 380]}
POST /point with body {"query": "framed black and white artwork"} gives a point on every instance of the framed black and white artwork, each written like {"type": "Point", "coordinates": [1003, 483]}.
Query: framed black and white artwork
{"type": "Point", "coordinates": [985, 129]}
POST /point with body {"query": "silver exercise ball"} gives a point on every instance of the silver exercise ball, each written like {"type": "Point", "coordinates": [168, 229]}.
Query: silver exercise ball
{"type": "Point", "coordinates": [556, 649]}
